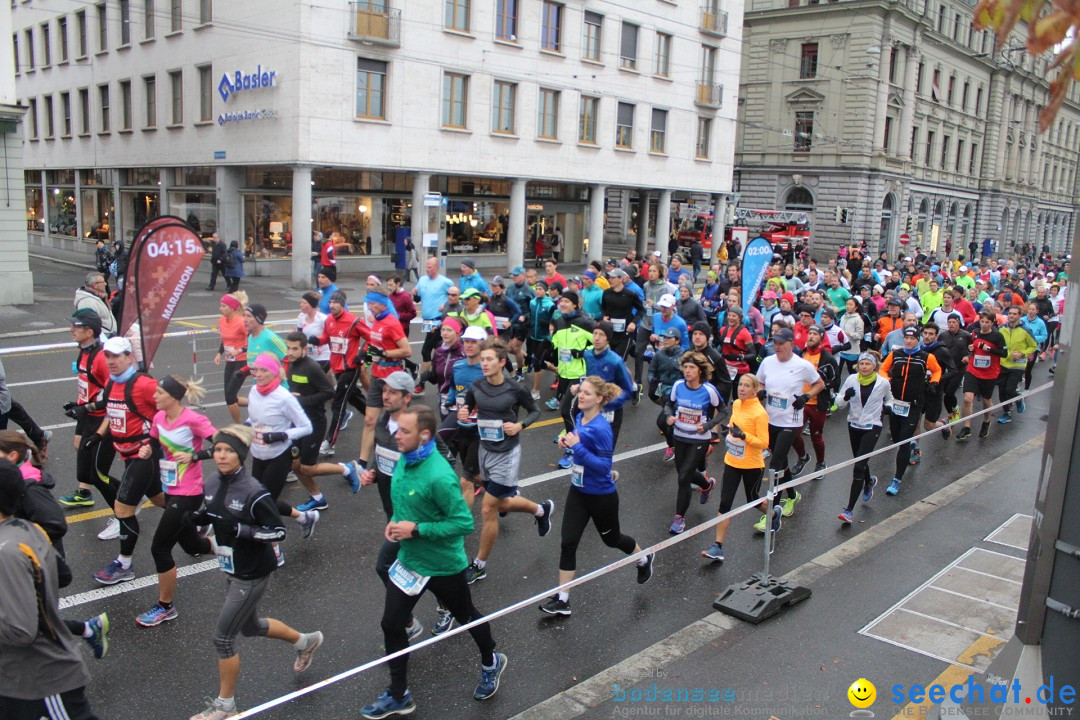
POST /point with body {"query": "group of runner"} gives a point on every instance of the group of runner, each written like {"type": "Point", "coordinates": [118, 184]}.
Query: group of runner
{"type": "Point", "coordinates": [754, 380]}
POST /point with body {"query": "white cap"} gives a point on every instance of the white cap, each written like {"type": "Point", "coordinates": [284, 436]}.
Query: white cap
{"type": "Point", "coordinates": [667, 301]}
{"type": "Point", "coordinates": [117, 345]}
{"type": "Point", "coordinates": [474, 332]}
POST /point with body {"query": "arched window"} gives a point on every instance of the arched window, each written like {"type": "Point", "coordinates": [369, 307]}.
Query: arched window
{"type": "Point", "coordinates": [885, 231]}
{"type": "Point", "coordinates": [924, 208]}
{"type": "Point", "coordinates": [799, 198]}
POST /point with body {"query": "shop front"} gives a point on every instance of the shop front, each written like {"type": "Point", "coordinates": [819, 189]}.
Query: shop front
{"type": "Point", "coordinates": [97, 205]}
{"type": "Point", "coordinates": [192, 196]}
{"type": "Point", "coordinates": [140, 200]}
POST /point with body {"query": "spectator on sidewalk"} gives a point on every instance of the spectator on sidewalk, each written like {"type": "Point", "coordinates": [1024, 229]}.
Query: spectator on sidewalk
{"type": "Point", "coordinates": [92, 295]}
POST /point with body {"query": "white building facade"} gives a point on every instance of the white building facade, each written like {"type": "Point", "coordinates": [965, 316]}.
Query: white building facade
{"type": "Point", "coordinates": [901, 113]}
{"type": "Point", "coordinates": [16, 282]}
{"type": "Point", "coordinates": [521, 114]}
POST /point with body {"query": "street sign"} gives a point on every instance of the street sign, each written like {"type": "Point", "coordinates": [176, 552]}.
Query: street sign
{"type": "Point", "coordinates": [432, 199]}
{"type": "Point", "coordinates": [905, 239]}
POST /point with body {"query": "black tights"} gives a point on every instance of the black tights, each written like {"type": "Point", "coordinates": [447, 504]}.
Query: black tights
{"type": "Point", "coordinates": [603, 510]}
{"type": "Point", "coordinates": [900, 429]}
{"type": "Point", "coordinates": [749, 478]}
{"type": "Point", "coordinates": [92, 467]}
{"type": "Point", "coordinates": [862, 442]}
{"type": "Point", "coordinates": [780, 440]}
{"type": "Point", "coordinates": [171, 530]}
{"type": "Point", "coordinates": [689, 457]}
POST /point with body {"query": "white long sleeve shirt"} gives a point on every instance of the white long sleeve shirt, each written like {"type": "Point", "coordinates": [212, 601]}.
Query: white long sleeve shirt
{"type": "Point", "coordinates": [278, 411]}
{"type": "Point", "coordinates": [864, 416]}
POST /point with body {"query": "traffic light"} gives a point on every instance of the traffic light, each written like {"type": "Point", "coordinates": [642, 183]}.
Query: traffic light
{"type": "Point", "coordinates": [839, 214]}
{"type": "Point", "coordinates": [909, 224]}
{"type": "Point", "coordinates": [843, 215]}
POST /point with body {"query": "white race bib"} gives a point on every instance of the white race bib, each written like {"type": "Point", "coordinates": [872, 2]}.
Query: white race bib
{"type": "Point", "coordinates": [609, 415]}
{"type": "Point", "coordinates": [429, 325]}
{"type": "Point", "coordinates": [84, 391]}
{"type": "Point", "coordinates": [169, 475]}
{"type": "Point", "coordinates": [688, 416]}
{"type": "Point", "coordinates": [225, 558]}
{"type": "Point", "coordinates": [901, 408]}
{"type": "Point", "coordinates": [502, 323]}
{"type": "Point", "coordinates": [260, 430]}
{"type": "Point", "coordinates": [980, 361]}
{"type": "Point", "coordinates": [386, 459]}
{"type": "Point", "coordinates": [861, 426]}
{"type": "Point", "coordinates": [117, 420]}
{"type": "Point", "coordinates": [338, 345]}
{"type": "Point", "coordinates": [231, 353]}
{"type": "Point", "coordinates": [577, 475]}
{"type": "Point", "coordinates": [566, 357]}
{"type": "Point", "coordinates": [735, 446]}
{"type": "Point", "coordinates": [618, 324]}
{"type": "Point", "coordinates": [491, 430]}
{"type": "Point", "coordinates": [409, 582]}
{"type": "Point", "coordinates": [779, 401]}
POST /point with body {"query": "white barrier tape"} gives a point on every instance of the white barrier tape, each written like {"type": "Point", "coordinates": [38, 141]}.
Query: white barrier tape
{"type": "Point", "coordinates": [601, 571]}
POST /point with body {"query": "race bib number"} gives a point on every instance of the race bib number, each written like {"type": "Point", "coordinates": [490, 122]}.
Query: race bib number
{"type": "Point", "coordinates": [778, 401]}
{"type": "Point", "coordinates": [565, 357]}
{"type": "Point", "coordinates": [981, 361]}
{"type": "Point", "coordinates": [225, 558]}
{"type": "Point", "coordinates": [169, 474]}
{"type": "Point", "coordinates": [688, 416]}
{"type": "Point", "coordinates": [409, 582]}
{"type": "Point", "coordinates": [386, 459]}
{"type": "Point", "coordinates": [650, 311]}
{"type": "Point", "coordinates": [117, 420]}
{"type": "Point", "coordinates": [866, 337]}
{"type": "Point", "coordinates": [502, 323]}
{"type": "Point", "coordinates": [577, 475]}
{"type": "Point", "coordinates": [338, 345]}
{"type": "Point", "coordinates": [429, 325]}
{"type": "Point", "coordinates": [260, 431]}
{"type": "Point", "coordinates": [736, 447]}
{"type": "Point", "coordinates": [491, 430]}
{"type": "Point", "coordinates": [618, 324]}
{"type": "Point", "coordinates": [84, 391]}
{"type": "Point", "coordinates": [231, 353]}
{"type": "Point", "coordinates": [609, 415]}
{"type": "Point", "coordinates": [861, 426]}
{"type": "Point", "coordinates": [901, 408]}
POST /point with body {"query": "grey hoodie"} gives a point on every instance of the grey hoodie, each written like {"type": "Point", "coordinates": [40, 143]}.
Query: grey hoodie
{"type": "Point", "coordinates": [87, 299]}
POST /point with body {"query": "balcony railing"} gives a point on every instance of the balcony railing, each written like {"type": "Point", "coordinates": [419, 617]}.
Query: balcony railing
{"type": "Point", "coordinates": [713, 21]}
{"type": "Point", "coordinates": [710, 96]}
{"type": "Point", "coordinates": [376, 23]}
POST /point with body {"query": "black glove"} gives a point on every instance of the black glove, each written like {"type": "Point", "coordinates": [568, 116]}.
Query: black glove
{"type": "Point", "coordinates": [204, 454]}
{"type": "Point", "coordinates": [849, 393]}
{"type": "Point", "coordinates": [275, 437]}
{"type": "Point", "coordinates": [312, 340]}
{"type": "Point", "coordinates": [69, 406]}
{"type": "Point", "coordinates": [736, 431]}
{"type": "Point", "coordinates": [934, 387]}
{"type": "Point", "coordinates": [93, 440]}
{"type": "Point", "coordinates": [800, 402]}
{"type": "Point", "coordinates": [761, 395]}
{"type": "Point", "coordinates": [374, 351]}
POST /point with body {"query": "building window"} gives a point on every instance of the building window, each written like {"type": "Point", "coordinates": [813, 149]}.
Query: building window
{"type": "Point", "coordinates": [206, 11]}
{"type": "Point", "coordinates": [945, 139]}
{"type": "Point", "coordinates": [894, 60]}
{"type": "Point", "coordinates": [974, 159]}
{"type": "Point", "coordinates": [928, 158]}
{"type": "Point", "coordinates": [103, 28]}
{"type": "Point", "coordinates": [978, 100]}
{"type": "Point", "coordinates": [148, 19]}
{"type": "Point", "coordinates": [65, 111]}
{"type": "Point", "coordinates": [125, 104]}
{"type": "Point", "coordinates": [959, 156]}
{"type": "Point", "coordinates": [663, 55]}
{"type": "Point", "coordinates": [457, 15]}
{"type": "Point", "coordinates": [29, 49]}
{"type": "Point", "coordinates": [50, 128]}
{"type": "Point", "coordinates": [914, 141]}
{"type": "Point", "coordinates": [103, 101]}
{"type": "Point", "coordinates": [590, 107]}
{"type": "Point", "coordinates": [935, 86]}
{"type": "Point", "coordinates": [594, 25]}
{"type": "Point", "coordinates": [658, 133]}
{"type": "Point", "coordinates": [176, 85]}
{"type": "Point", "coordinates": [628, 46]}
{"type": "Point", "coordinates": [46, 46]}
{"type": "Point", "coordinates": [886, 142]}
{"type": "Point", "coordinates": [547, 115]}
{"type": "Point", "coordinates": [624, 126]}
{"type": "Point", "coordinates": [951, 91]}
{"type": "Point", "coordinates": [371, 88]}
{"type": "Point", "coordinates": [956, 26]}
{"type": "Point", "coordinates": [176, 14]}
{"type": "Point", "coordinates": [918, 79]}
{"type": "Point", "coordinates": [708, 67]}
{"type": "Point", "coordinates": [61, 27]}
{"type": "Point", "coordinates": [15, 46]}
{"type": "Point", "coordinates": [941, 18]}
{"type": "Point", "coordinates": [455, 100]}
{"type": "Point", "coordinates": [125, 22]}
{"type": "Point", "coordinates": [84, 111]}
{"type": "Point", "coordinates": [32, 123]}
{"type": "Point", "coordinates": [808, 63]}
{"type": "Point", "coordinates": [206, 93]}
{"type": "Point", "coordinates": [704, 133]}
{"type": "Point", "coordinates": [80, 23]}
{"type": "Point", "coordinates": [506, 19]}
{"type": "Point", "coordinates": [804, 131]}
{"type": "Point", "coordinates": [551, 26]}
{"type": "Point", "coordinates": [150, 90]}
{"type": "Point", "coordinates": [503, 101]}
{"type": "Point", "coordinates": [964, 96]}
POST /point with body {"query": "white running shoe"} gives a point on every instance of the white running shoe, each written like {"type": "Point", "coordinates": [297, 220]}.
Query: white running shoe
{"type": "Point", "coordinates": [326, 448]}
{"type": "Point", "coordinates": [291, 477]}
{"type": "Point", "coordinates": [111, 531]}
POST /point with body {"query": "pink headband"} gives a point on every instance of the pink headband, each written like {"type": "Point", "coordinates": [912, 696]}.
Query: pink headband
{"type": "Point", "coordinates": [268, 362]}
{"type": "Point", "coordinates": [375, 278]}
{"type": "Point", "coordinates": [453, 324]}
{"type": "Point", "coordinates": [230, 301]}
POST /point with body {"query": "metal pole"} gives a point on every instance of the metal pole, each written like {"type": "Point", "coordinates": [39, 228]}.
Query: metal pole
{"type": "Point", "coordinates": [770, 536]}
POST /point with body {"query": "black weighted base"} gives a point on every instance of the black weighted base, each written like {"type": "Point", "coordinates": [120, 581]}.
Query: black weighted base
{"type": "Point", "coordinates": [755, 600]}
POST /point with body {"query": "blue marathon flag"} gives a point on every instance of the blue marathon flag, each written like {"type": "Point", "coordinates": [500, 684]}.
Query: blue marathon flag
{"type": "Point", "coordinates": [756, 259]}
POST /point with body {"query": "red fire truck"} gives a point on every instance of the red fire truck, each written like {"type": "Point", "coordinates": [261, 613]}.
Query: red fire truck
{"type": "Point", "coordinates": [783, 228]}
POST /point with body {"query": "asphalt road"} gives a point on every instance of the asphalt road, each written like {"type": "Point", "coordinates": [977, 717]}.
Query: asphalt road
{"type": "Point", "coordinates": [328, 583]}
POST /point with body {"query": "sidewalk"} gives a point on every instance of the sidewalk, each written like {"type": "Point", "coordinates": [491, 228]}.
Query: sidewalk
{"type": "Point", "coordinates": [801, 662]}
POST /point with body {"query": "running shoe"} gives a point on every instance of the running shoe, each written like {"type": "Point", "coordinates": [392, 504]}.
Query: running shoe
{"type": "Point", "coordinates": [543, 523]}
{"type": "Point", "coordinates": [216, 710]}
{"type": "Point", "coordinates": [419, 389]}
{"type": "Point", "coordinates": [157, 615]}
{"type": "Point", "coordinates": [111, 531]}
{"type": "Point", "coordinates": [638, 392]}
{"type": "Point", "coordinates": [964, 434]}
{"type": "Point", "coordinates": [555, 385]}
{"type": "Point", "coordinates": [555, 606]}
{"type": "Point", "coordinates": [789, 504]}
{"type": "Point", "coordinates": [777, 517]}
{"type": "Point", "coordinates": [114, 573]}
{"type": "Point", "coordinates": [313, 504]}
{"type": "Point", "coordinates": [1020, 406]}
{"type": "Point", "coordinates": [985, 429]}
{"type": "Point", "coordinates": [474, 572]}
{"type": "Point", "coordinates": [352, 474]}
{"type": "Point", "coordinates": [868, 488]}
{"type": "Point", "coordinates": [1003, 420]}
{"type": "Point", "coordinates": [552, 404]}
{"type": "Point", "coordinates": [759, 526]}
{"type": "Point", "coordinates": [954, 416]}
{"type": "Point", "coordinates": [669, 454]}
{"type": "Point", "coordinates": [79, 498]}
{"type": "Point", "coordinates": [894, 487]}
{"type": "Point", "coordinates": [345, 420]}
{"type": "Point", "coordinates": [818, 468]}
{"type": "Point", "coordinates": [291, 477]}
{"type": "Point", "coordinates": [307, 526]}
{"type": "Point", "coordinates": [715, 552]}
{"type": "Point", "coordinates": [678, 525]}
{"type": "Point", "coordinates": [1052, 369]}
{"type": "Point", "coordinates": [489, 679]}
{"type": "Point", "coordinates": [535, 394]}
{"type": "Point", "coordinates": [706, 492]}
{"type": "Point", "coordinates": [567, 459]}
{"type": "Point", "coordinates": [946, 432]}
{"type": "Point", "coordinates": [303, 657]}
{"type": "Point", "coordinates": [443, 622]}
{"type": "Point", "coordinates": [649, 354]}
{"type": "Point", "coordinates": [386, 706]}
{"type": "Point", "coordinates": [798, 467]}
{"type": "Point", "coordinates": [414, 629]}
{"type": "Point", "coordinates": [279, 556]}
{"type": "Point", "coordinates": [326, 448]}
{"type": "Point", "coordinates": [845, 517]}
{"type": "Point", "coordinates": [99, 635]}
{"type": "Point", "coordinates": [519, 376]}
{"type": "Point", "coordinates": [644, 572]}
{"type": "Point", "coordinates": [916, 457]}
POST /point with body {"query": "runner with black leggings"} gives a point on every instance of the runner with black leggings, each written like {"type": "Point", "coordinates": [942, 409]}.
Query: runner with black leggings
{"type": "Point", "coordinates": [866, 394]}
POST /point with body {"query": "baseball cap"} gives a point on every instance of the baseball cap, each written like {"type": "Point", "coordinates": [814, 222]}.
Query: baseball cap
{"type": "Point", "coordinates": [893, 301]}
{"type": "Point", "coordinates": [673, 332]}
{"type": "Point", "coordinates": [474, 332]}
{"type": "Point", "coordinates": [611, 262]}
{"type": "Point", "coordinates": [768, 295]}
{"type": "Point", "coordinates": [498, 280]}
{"type": "Point", "coordinates": [87, 318]}
{"type": "Point", "coordinates": [829, 312]}
{"type": "Point", "coordinates": [117, 345]}
{"type": "Point", "coordinates": [667, 301]}
{"type": "Point", "coordinates": [518, 271]}
{"type": "Point", "coordinates": [783, 335]}
{"type": "Point", "coordinates": [816, 328]}
{"type": "Point", "coordinates": [619, 273]}
{"type": "Point", "coordinates": [471, 292]}
{"type": "Point", "coordinates": [402, 381]}
{"type": "Point", "coordinates": [905, 286]}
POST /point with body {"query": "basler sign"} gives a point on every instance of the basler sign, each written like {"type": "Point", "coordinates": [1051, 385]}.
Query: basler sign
{"type": "Point", "coordinates": [239, 81]}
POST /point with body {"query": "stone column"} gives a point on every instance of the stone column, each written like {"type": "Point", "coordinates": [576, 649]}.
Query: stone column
{"type": "Point", "coordinates": [882, 103]}
{"type": "Point", "coordinates": [643, 224]}
{"type": "Point", "coordinates": [421, 183]}
{"type": "Point", "coordinates": [907, 113]}
{"type": "Point", "coordinates": [719, 203]}
{"type": "Point", "coordinates": [596, 223]}
{"type": "Point", "coordinates": [301, 228]}
{"type": "Point", "coordinates": [663, 222]}
{"type": "Point", "coordinates": [229, 211]}
{"type": "Point", "coordinates": [515, 234]}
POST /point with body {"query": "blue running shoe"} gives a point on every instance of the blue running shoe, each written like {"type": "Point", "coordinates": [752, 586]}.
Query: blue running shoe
{"type": "Point", "coordinates": [489, 679]}
{"type": "Point", "coordinates": [313, 504]}
{"type": "Point", "coordinates": [567, 459]}
{"type": "Point", "coordinates": [868, 489]}
{"type": "Point", "coordinates": [386, 706]}
{"type": "Point", "coordinates": [778, 518]}
{"type": "Point", "coordinates": [706, 492]}
{"type": "Point", "coordinates": [345, 420]}
{"type": "Point", "coordinates": [894, 487]}
{"type": "Point", "coordinates": [1005, 419]}
{"type": "Point", "coordinates": [678, 525]}
{"type": "Point", "coordinates": [114, 573]}
{"type": "Point", "coordinates": [845, 517]}
{"type": "Point", "coordinates": [552, 404]}
{"type": "Point", "coordinates": [157, 615]}
{"type": "Point", "coordinates": [352, 474]}
{"type": "Point", "coordinates": [1020, 406]}
{"type": "Point", "coordinates": [715, 552]}
{"type": "Point", "coordinates": [99, 635]}
{"type": "Point", "coordinates": [307, 525]}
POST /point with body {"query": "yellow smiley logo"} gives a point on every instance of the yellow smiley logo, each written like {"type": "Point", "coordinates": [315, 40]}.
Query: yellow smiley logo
{"type": "Point", "coordinates": [862, 693]}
